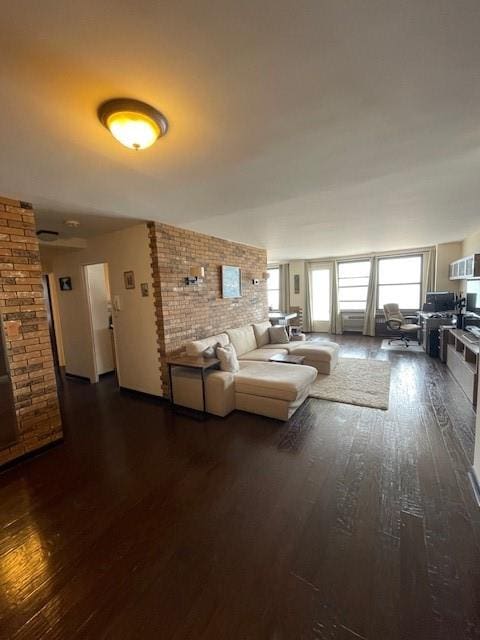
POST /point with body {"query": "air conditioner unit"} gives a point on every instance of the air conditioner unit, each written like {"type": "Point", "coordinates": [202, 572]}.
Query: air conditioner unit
{"type": "Point", "coordinates": [353, 322]}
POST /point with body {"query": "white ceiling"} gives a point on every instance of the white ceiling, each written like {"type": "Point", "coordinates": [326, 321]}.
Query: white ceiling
{"type": "Point", "coordinates": [308, 127]}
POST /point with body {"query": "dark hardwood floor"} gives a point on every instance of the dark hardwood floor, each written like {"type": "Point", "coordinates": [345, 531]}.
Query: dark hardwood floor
{"type": "Point", "coordinates": [344, 523]}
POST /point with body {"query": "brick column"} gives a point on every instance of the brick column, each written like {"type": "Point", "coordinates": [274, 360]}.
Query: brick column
{"type": "Point", "coordinates": [24, 319]}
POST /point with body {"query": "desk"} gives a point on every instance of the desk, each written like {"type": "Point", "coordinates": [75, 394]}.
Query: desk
{"type": "Point", "coordinates": [281, 317]}
{"type": "Point", "coordinates": [463, 358]}
{"type": "Point", "coordinates": [428, 330]}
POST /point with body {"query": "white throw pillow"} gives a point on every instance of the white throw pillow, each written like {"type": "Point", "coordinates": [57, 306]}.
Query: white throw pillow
{"type": "Point", "coordinates": [278, 335]}
{"type": "Point", "coordinates": [228, 358]}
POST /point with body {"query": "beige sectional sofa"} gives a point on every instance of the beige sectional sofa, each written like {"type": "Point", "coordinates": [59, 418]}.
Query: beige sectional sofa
{"type": "Point", "coordinates": [268, 388]}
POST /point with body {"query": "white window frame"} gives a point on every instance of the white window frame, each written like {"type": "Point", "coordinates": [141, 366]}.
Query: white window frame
{"type": "Point", "coordinates": [272, 268]}
{"type": "Point", "coordinates": [419, 282]}
{"type": "Point", "coordinates": [356, 310]}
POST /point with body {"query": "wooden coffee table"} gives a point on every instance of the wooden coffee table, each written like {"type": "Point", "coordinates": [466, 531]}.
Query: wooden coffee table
{"type": "Point", "coordinates": [288, 358]}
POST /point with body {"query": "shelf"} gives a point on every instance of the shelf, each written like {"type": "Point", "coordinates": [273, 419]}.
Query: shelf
{"type": "Point", "coordinates": [463, 361]}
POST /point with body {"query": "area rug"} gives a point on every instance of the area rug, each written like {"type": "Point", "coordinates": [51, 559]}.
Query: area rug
{"type": "Point", "coordinates": [354, 381]}
{"type": "Point", "coordinates": [401, 347]}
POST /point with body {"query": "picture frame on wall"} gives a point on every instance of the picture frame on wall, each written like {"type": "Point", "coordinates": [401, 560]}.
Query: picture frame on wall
{"type": "Point", "coordinates": [65, 283]}
{"type": "Point", "coordinates": [144, 289]}
{"type": "Point", "coordinates": [296, 284]}
{"type": "Point", "coordinates": [231, 282]}
{"type": "Point", "coordinates": [129, 279]}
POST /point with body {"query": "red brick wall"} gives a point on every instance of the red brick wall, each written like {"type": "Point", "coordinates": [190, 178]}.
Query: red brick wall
{"type": "Point", "coordinates": [191, 312]}
{"type": "Point", "coordinates": [23, 314]}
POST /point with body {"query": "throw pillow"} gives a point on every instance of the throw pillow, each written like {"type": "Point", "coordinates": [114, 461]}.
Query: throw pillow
{"type": "Point", "coordinates": [228, 358]}
{"type": "Point", "coordinates": [210, 351]}
{"type": "Point", "coordinates": [278, 335]}
{"type": "Point", "coordinates": [261, 333]}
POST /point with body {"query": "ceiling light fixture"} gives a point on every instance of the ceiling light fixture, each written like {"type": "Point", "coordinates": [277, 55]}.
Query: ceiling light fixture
{"type": "Point", "coordinates": [134, 124]}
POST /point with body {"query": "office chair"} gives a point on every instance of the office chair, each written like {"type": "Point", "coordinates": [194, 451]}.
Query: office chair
{"type": "Point", "coordinates": [396, 322]}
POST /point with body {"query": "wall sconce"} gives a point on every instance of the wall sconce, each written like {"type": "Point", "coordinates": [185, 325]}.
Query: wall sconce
{"type": "Point", "coordinates": [195, 276]}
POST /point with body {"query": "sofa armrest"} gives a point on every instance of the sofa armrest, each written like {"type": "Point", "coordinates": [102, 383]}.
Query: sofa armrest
{"type": "Point", "coordinates": [219, 392]}
{"type": "Point", "coordinates": [394, 324]}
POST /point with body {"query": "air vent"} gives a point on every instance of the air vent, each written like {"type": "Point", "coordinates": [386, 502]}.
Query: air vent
{"type": "Point", "coordinates": [46, 235]}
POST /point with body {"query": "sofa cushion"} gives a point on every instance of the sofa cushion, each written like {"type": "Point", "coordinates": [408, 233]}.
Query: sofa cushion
{"type": "Point", "coordinates": [322, 351]}
{"type": "Point", "coordinates": [243, 339]}
{"type": "Point", "coordinates": [261, 333]}
{"type": "Point", "coordinates": [278, 334]}
{"type": "Point", "coordinates": [274, 380]}
{"type": "Point", "coordinates": [228, 358]}
{"type": "Point", "coordinates": [277, 345]}
{"type": "Point", "coordinates": [197, 347]}
{"type": "Point", "coordinates": [262, 354]}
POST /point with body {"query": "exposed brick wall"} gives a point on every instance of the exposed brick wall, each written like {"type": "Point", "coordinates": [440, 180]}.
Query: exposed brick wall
{"type": "Point", "coordinates": [191, 312]}
{"type": "Point", "coordinates": [23, 314]}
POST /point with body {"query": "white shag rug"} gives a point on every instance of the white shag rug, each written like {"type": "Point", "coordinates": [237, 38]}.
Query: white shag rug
{"type": "Point", "coordinates": [365, 383]}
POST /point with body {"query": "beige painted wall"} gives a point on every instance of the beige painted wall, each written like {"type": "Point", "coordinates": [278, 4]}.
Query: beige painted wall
{"type": "Point", "coordinates": [471, 244]}
{"type": "Point", "coordinates": [135, 328]}
{"type": "Point", "coordinates": [447, 253]}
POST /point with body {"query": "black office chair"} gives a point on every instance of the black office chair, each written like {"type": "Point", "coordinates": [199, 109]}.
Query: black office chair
{"type": "Point", "coordinates": [398, 323]}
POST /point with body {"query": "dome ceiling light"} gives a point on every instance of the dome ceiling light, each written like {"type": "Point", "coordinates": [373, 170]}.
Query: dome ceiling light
{"type": "Point", "coordinates": [134, 124]}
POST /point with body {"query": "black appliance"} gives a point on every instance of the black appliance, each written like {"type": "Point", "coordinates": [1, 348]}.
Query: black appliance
{"type": "Point", "coordinates": [441, 300]}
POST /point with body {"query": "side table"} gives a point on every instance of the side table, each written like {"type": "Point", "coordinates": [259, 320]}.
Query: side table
{"type": "Point", "coordinates": [192, 362]}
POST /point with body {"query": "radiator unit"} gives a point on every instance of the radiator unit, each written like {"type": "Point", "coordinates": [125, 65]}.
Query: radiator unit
{"type": "Point", "coordinates": [353, 322]}
{"type": "Point", "coordinates": [381, 328]}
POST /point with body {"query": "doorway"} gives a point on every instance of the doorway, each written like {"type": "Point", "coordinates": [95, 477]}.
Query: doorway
{"type": "Point", "coordinates": [321, 292]}
{"type": "Point", "coordinates": [99, 302]}
{"type": "Point", "coordinates": [47, 294]}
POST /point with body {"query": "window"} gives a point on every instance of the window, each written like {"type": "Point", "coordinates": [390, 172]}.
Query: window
{"type": "Point", "coordinates": [400, 281]}
{"type": "Point", "coordinates": [353, 285]}
{"type": "Point", "coordinates": [273, 288]}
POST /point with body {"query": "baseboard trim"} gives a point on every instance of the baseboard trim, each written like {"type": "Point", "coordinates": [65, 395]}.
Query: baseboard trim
{"type": "Point", "coordinates": [143, 394]}
{"type": "Point", "coordinates": [74, 376]}
{"type": "Point", "coordinates": [475, 484]}
{"type": "Point", "coordinates": [29, 455]}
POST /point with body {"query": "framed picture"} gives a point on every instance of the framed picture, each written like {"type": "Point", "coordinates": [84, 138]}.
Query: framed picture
{"type": "Point", "coordinates": [129, 278]}
{"type": "Point", "coordinates": [144, 289]}
{"type": "Point", "coordinates": [296, 283]}
{"type": "Point", "coordinates": [65, 283]}
{"type": "Point", "coordinates": [231, 282]}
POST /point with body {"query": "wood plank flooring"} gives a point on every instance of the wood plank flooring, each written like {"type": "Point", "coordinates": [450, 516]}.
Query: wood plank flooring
{"type": "Point", "coordinates": [346, 523]}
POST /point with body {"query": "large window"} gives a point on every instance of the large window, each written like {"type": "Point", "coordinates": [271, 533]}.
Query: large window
{"type": "Point", "coordinates": [353, 285]}
{"type": "Point", "coordinates": [400, 281]}
{"type": "Point", "coordinates": [273, 288]}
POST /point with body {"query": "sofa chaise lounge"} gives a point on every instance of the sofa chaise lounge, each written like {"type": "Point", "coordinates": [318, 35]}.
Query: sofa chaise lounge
{"type": "Point", "coordinates": [267, 388]}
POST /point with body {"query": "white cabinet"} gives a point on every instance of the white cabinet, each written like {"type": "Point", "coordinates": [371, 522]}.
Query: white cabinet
{"type": "Point", "coordinates": [465, 268]}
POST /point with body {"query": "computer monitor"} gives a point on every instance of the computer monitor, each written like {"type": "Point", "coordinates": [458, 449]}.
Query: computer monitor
{"type": "Point", "coordinates": [441, 300]}
{"type": "Point", "coordinates": [473, 297]}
